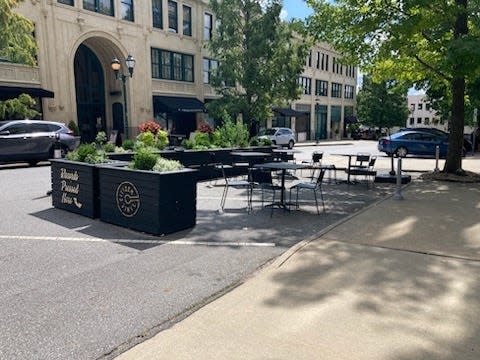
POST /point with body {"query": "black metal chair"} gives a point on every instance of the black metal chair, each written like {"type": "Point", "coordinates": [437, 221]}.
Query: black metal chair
{"type": "Point", "coordinates": [262, 179]}
{"type": "Point", "coordinates": [314, 186]}
{"type": "Point", "coordinates": [314, 163]}
{"type": "Point", "coordinates": [366, 170]}
{"type": "Point", "coordinates": [238, 184]}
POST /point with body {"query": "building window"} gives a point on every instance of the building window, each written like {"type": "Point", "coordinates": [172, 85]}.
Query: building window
{"type": "Point", "coordinates": [208, 66]}
{"type": "Point", "coordinates": [187, 20]}
{"type": "Point", "coordinates": [172, 16]}
{"type": "Point", "coordinates": [335, 113]}
{"type": "Point", "coordinates": [157, 14]}
{"type": "Point", "coordinates": [104, 7]}
{"type": "Point", "coordinates": [412, 121]}
{"type": "Point", "coordinates": [321, 88]}
{"type": "Point", "coordinates": [66, 2]}
{"type": "Point", "coordinates": [127, 10]}
{"type": "Point", "coordinates": [419, 120]}
{"type": "Point", "coordinates": [319, 55]}
{"type": "Point", "coordinates": [412, 107]}
{"type": "Point", "coordinates": [337, 67]}
{"type": "Point", "coordinates": [325, 62]}
{"type": "Point", "coordinates": [336, 90]}
{"type": "Point", "coordinates": [306, 85]}
{"type": "Point", "coordinates": [427, 121]}
{"type": "Point", "coordinates": [349, 91]}
{"type": "Point", "coordinates": [309, 59]}
{"type": "Point", "coordinates": [207, 27]}
{"type": "Point", "coordinates": [420, 106]}
{"type": "Point", "coordinates": [170, 65]}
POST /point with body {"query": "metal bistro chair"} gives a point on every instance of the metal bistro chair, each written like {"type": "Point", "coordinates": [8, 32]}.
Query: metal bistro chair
{"type": "Point", "coordinates": [239, 184]}
{"type": "Point", "coordinates": [314, 163]}
{"type": "Point", "coordinates": [360, 164]}
{"type": "Point", "coordinates": [262, 179]}
{"type": "Point", "coordinates": [314, 186]}
{"type": "Point", "coordinates": [368, 170]}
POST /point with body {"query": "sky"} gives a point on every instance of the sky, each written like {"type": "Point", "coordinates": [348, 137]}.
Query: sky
{"type": "Point", "coordinates": [295, 9]}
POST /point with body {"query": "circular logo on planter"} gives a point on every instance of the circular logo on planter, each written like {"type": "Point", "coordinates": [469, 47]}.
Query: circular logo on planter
{"type": "Point", "coordinates": [128, 199]}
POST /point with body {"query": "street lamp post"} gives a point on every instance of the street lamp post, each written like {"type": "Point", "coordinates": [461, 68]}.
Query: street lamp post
{"type": "Point", "coordinates": [116, 66]}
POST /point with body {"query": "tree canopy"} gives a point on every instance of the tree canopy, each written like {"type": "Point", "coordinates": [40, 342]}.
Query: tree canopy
{"type": "Point", "coordinates": [382, 104]}
{"type": "Point", "coordinates": [410, 40]}
{"type": "Point", "coordinates": [16, 35]}
{"type": "Point", "coordinates": [259, 58]}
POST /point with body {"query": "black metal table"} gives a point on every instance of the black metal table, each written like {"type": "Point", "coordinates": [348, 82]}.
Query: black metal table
{"type": "Point", "coordinates": [283, 166]}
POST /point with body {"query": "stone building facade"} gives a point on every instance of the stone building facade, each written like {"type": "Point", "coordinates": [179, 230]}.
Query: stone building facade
{"type": "Point", "coordinates": [78, 39]}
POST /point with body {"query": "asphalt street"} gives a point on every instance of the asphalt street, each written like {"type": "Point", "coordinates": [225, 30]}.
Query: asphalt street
{"type": "Point", "coordinates": [72, 287]}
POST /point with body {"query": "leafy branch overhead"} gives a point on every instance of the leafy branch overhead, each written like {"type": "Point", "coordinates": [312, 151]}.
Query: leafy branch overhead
{"type": "Point", "coordinates": [419, 42]}
{"type": "Point", "coordinates": [259, 58]}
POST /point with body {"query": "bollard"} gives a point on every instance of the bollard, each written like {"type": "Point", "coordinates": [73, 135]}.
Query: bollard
{"type": "Point", "coordinates": [398, 192]}
{"type": "Point", "coordinates": [437, 156]}
{"type": "Point", "coordinates": [57, 152]}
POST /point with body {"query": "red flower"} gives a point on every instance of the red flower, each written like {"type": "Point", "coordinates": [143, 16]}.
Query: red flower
{"type": "Point", "coordinates": [205, 128]}
{"type": "Point", "coordinates": [151, 126]}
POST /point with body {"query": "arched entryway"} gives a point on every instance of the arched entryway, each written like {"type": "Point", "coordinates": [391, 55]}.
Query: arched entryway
{"type": "Point", "coordinates": [90, 93]}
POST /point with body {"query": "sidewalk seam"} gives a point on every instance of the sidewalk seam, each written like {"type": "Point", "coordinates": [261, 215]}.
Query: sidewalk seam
{"type": "Point", "coordinates": [294, 249]}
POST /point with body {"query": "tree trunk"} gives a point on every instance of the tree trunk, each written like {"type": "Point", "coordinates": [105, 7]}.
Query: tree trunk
{"type": "Point", "coordinates": [455, 139]}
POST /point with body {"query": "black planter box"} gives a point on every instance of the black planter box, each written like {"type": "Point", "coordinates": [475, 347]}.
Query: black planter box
{"type": "Point", "coordinates": [155, 203]}
{"type": "Point", "coordinates": [75, 187]}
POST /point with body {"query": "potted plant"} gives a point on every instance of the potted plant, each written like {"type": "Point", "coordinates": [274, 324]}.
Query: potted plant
{"type": "Point", "coordinates": [152, 194]}
{"type": "Point", "coordinates": [75, 180]}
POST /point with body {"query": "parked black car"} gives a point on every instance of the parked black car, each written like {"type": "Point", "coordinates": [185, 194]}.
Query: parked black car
{"type": "Point", "coordinates": [34, 140]}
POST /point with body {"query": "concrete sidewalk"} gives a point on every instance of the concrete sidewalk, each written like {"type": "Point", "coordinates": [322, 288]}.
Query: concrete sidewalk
{"type": "Point", "coordinates": [399, 280]}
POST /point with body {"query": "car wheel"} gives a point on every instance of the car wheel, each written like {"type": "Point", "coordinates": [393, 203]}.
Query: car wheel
{"type": "Point", "coordinates": [290, 144]}
{"type": "Point", "coordinates": [401, 151]}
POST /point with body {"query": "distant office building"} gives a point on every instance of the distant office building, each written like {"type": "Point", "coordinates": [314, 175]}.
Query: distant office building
{"type": "Point", "coordinates": [421, 114]}
{"type": "Point", "coordinates": [328, 97]}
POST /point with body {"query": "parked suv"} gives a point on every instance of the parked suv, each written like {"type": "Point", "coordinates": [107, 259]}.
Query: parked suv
{"type": "Point", "coordinates": [33, 140]}
{"type": "Point", "coordinates": [278, 136]}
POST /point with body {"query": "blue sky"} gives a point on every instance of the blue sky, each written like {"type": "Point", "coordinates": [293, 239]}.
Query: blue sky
{"type": "Point", "coordinates": [295, 9]}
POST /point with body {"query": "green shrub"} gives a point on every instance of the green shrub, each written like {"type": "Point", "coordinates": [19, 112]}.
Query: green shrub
{"type": "Point", "coordinates": [147, 138]}
{"type": "Point", "coordinates": [87, 153]}
{"type": "Point", "coordinates": [72, 125]}
{"type": "Point", "coordinates": [232, 134]}
{"type": "Point", "coordinates": [144, 159]}
{"type": "Point", "coordinates": [163, 164]}
{"type": "Point", "coordinates": [162, 139]}
{"type": "Point", "coordinates": [101, 138]}
{"type": "Point", "coordinates": [128, 144]}
{"type": "Point", "coordinates": [188, 144]}
{"type": "Point", "coordinates": [108, 147]}
{"type": "Point", "coordinates": [202, 139]}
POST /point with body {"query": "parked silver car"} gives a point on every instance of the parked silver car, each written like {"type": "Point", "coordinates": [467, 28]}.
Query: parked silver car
{"type": "Point", "coordinates": [34, 140]}
{"type": "Point", "coordinates": [278, 136]}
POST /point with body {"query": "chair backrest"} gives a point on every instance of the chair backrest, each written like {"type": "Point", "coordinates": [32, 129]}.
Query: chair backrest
{"type": "Point", "coordinates": [259, 176]}
{"type": "Point", "coordinates": [362, 158]}
{"type": "Point", "coordinates": [317, 157]}
{"type": "Point", "coordinates": [321, 175]}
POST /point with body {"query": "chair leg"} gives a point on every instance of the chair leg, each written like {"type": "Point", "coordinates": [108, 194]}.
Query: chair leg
{"type": "Point", "coordinates": [323, 202]}
{"type": "Point", "coordinates": [316, 201]}
{"type": "Point", "coordinates": [224, 198]}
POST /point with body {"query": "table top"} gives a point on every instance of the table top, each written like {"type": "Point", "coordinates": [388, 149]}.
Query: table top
{"type": "Point", "coordinates": [281, 165]}
{"type": "Point", "coordinates": [249, 153]}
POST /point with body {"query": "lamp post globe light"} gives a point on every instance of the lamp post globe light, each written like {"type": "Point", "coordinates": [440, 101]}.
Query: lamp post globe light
{"type": "Point", "coordinates": [116, 67]}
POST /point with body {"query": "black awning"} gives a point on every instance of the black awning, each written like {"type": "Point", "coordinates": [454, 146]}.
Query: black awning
{"type": "Point", "coordinates": [287, 112]}
{"type": "Point", "coordinates": [179, 104]}
{"type": "Point", "coordinates": [351, 119]}
{"type": "Point", "coordinates": [14, 91]}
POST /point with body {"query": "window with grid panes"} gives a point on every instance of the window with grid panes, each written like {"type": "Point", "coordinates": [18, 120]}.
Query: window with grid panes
{"type": "Point", "coordinates": [321, 88]}
{"type": "Point", "coordinates": [170, 65]}
{"type": "Point", "coordinates": [127, 10]}
{"type": "Point", "coordinates": [187, 20]}
{"type": "Point", "coordinates": [207, 26]}
{"type": "Point", "coordinates": [104, 7]}
{"type": "Point", "coordinates": [172, 16]}
{"type": "Point", "coordinates": [208, 66]}
{"type": "Point", "coordinates": [157, 14]}
{"type": "Point", "coordinates": [336, 90]}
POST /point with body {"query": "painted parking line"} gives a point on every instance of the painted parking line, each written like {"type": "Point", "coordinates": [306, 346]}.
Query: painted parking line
{"type": "Point", "coordinates": [132, 241]}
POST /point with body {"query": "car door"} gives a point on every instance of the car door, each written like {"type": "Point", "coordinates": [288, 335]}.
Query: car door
{"type": "Point", "coordinates": [42, 139]}
{"type": "Point", "coordinates": [13, 142]}
{"type": "Point", "coordinates": [282, 137]}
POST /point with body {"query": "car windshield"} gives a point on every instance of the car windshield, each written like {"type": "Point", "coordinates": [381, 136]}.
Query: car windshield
{"type": "Point", "coordinates": [269, 132]}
